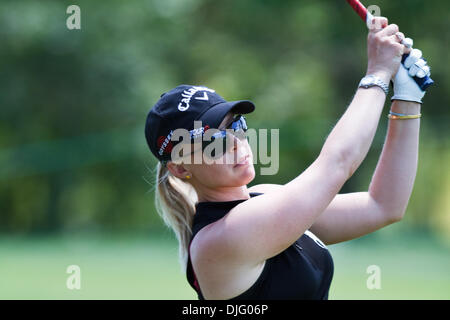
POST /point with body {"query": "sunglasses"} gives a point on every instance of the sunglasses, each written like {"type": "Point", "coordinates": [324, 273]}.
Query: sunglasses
{"type": "Point", "coordinates": [222, 139]}
{"type": "Point", "coordinates": [237, 126]}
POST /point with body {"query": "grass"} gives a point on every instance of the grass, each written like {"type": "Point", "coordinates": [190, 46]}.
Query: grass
{"type": "Point", "coordinates": [147, 268]}
{"type": "Point", "coordinates": [408, 270]}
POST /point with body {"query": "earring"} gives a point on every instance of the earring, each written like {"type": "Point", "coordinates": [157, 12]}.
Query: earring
{"type": "Point", "coordinates": [188, 177]}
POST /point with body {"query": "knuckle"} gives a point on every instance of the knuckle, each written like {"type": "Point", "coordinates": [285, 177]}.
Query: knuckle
{"type": "Point", "coordinates": [399, 48]}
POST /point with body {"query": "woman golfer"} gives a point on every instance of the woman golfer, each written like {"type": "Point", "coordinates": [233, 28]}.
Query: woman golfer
{"type": "Point", "coordinates": [269, 241]}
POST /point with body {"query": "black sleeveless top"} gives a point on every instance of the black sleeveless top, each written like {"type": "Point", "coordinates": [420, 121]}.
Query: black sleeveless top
{"type": "Point", "coordinates": [302, 271]}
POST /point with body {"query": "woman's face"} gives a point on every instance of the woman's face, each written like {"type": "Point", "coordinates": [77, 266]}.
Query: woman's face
{"type": "Point", "coordinates": [226, 171]}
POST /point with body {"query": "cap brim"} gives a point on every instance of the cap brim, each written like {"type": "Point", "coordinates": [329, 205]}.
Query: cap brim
{"type": "Point", "coordinates": [215, 115]}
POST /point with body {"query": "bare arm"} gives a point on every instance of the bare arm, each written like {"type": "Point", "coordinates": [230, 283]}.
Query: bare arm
{"type": "Point", "coordinates": [393, 180]}
{"type": "Point", "coordinates": [263, 226]}
{"type": "Point", "coordinates": [354, 132]}
{"type": "Point", "coordinates": [353, 215]}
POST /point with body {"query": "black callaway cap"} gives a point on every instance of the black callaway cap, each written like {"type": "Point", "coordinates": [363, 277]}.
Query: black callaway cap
{"type": "Point", "coordinates": [179, 108]}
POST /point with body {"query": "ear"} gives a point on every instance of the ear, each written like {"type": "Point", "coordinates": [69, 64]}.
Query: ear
{"type": "Point", "coordinates": [178, 170]}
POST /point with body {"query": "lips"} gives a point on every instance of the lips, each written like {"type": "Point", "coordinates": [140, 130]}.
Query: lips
{"type": "Point", "coordinates": [242, 161]}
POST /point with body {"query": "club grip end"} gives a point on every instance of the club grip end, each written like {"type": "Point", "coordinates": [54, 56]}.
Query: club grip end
{"type": "Point", "coordinates": [424, 82]}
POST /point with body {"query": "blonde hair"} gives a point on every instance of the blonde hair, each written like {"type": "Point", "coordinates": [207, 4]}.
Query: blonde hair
{"type": "Point", "coordinates": [175, 202]}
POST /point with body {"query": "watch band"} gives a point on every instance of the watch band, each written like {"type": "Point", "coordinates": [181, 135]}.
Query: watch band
{"type": "Point", "coordinates": [372, 80]}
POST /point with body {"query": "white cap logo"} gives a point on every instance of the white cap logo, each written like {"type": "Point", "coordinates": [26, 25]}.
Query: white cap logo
{"type": "Point", "coordinates": [189, 93]}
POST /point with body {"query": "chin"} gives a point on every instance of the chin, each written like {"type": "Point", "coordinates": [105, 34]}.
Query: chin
{"type": "Point", "coordinates": [245, 174]}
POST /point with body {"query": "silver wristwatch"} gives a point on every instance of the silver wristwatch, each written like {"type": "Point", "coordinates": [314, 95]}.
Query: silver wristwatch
{"type": "Point", "coordinates": [372, 80]}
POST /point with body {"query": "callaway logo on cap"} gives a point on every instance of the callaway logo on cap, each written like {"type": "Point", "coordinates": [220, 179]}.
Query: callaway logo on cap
{"type": "Point", "coordinates": [179, 108]}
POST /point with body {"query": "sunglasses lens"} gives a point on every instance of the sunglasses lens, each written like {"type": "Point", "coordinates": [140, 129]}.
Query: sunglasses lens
{"type": "Point", "coordinates": [226, 140]}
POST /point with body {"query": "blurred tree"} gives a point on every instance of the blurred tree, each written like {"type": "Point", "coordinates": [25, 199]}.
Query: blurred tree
{"type": "Point", "coordinates": [73, 104]}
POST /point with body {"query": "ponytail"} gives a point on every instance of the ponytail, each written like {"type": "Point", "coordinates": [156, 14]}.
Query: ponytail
{"type": "Point", "coordinates": [175, 203]}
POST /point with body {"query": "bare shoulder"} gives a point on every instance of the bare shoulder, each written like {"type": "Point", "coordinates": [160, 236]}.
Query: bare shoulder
{"type": "Point", "coordinates": [238, 244]}
{"type": "Point", "coordinates": [265, 187]}
{"type": "Point", "coordinates": [220, 277]}
{"type": "Point", "coordinates": [219, 274]}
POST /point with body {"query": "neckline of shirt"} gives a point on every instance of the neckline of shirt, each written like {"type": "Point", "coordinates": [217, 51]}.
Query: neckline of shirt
{"type": "Point", "coordinates": [203, 203]}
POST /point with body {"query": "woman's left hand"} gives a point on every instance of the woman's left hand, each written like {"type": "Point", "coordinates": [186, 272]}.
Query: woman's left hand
{"type": "Point", "coordinates": [405, 88]}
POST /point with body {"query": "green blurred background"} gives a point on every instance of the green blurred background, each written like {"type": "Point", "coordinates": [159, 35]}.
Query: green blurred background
{"type": "Point", "coordinates": [76, 176]}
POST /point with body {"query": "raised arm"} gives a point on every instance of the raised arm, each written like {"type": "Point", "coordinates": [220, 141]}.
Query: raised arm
{"type": "Point", "coordinates": [393, 180]}
{"type": "Point", "coordinates": [263, 226]}
{"type": "Point", "coordinates": [352, 215]}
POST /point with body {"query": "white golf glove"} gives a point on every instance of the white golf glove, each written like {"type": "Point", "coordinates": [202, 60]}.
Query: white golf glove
{"type": "Point", "coordinates": [405, 88]}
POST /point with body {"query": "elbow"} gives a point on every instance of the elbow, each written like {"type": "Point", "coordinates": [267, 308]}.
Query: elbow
{"type": "Point", "coordinates": [389, 210]}
{"type": "Point", "coordinates": [394, 216]}
{"type": "Point", "coordinates": [397, 213]}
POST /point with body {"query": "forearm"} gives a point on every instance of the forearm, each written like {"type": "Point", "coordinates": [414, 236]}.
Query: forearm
{"type": "Point", "coordinates": [352, 136]}
{"type": "Point", "coordinates": [393, 180]}
{"type": "Point", "coordinates": [350, 140]}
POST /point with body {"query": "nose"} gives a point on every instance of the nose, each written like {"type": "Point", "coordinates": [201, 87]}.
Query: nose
{"type": "Point", "coordinates": [236, 148]}
{"type": "Point", "coordinates": [236, 142]}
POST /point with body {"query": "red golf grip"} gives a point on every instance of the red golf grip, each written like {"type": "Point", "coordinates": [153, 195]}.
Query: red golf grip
{"type": "Point", "coordinates": [359, 8]}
